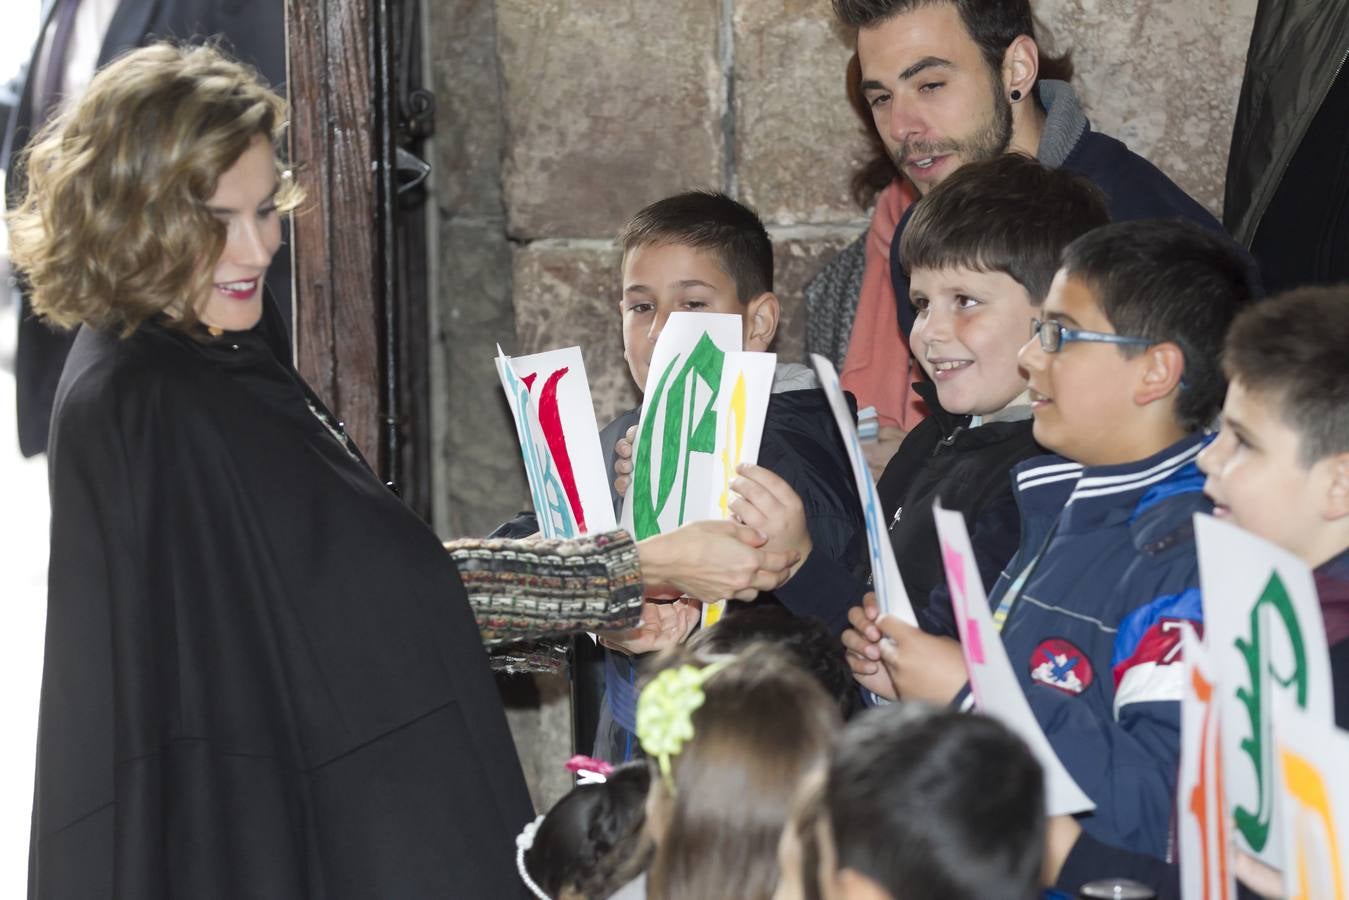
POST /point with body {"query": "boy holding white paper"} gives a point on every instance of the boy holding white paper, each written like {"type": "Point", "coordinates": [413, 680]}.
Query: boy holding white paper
{"type": "Point", "coordinates": [704, 252]}
{"type": "Point", "coordinates": [1123, 379]}
{"type": "Point", "coordinates": [1279, 467]}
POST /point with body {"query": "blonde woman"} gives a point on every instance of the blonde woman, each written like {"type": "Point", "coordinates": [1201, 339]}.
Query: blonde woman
{"type": "Point", "coordinates": [263, 677]}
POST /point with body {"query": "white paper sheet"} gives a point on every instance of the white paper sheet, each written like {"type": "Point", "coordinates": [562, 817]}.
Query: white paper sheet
{"type": "Point", "coordinates": [674, 473]}
{"type": "Point", "coordinates": [1204, 827]}
{"type": "Point", "coordinates": [1263, 628]}
{"type": "Point", "coordinates": [890, 594]}
{"type": "Point", "coordinates": [1314, 804]}
{"type": "Point", "coordinates": [993, 682]}
{"type": "Point", "coordinates": [746, 385]}
{"type": "Point", "coordinates": [549, 398]}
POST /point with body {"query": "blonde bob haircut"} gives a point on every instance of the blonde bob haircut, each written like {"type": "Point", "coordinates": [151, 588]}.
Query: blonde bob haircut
{"type": "Point", "coordinates": [113, 227]}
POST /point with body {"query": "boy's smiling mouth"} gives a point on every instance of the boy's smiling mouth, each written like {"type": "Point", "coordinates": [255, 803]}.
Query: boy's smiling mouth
{"type": "Point", "coordinates": [1037, 399]}
{"type": "Point", "coordinates": [948, 368]}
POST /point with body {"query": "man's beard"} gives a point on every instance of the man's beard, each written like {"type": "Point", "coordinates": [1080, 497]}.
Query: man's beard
{"type": "Point", "coordinates": [989, 140]}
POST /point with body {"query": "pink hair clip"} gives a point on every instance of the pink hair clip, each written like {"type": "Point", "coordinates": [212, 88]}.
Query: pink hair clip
{"type": "Point", "coordinates": [590, 771]}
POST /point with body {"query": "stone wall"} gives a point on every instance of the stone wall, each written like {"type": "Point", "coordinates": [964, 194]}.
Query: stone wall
{"type": "Point", "coordinates": [560, 118]}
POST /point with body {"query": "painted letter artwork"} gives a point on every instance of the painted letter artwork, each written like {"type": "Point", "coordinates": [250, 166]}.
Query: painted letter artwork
{"type": "Point", "coordinates": [549, 398]}
{"type": "Point", "coordinates": [1267, 644]}
{"type": "Point", "coordinates": [746, 384]}
{"type": "Point", "coordinates": [703, 414]}
{"type": "Point", "coordinates": [993, 682]}
{"type": "Point", "coordinates": [1314, 804]}
{"type": "Point", "coordinates": [1202, 820]}
{"type": "Point", "coordinates": [891, 596]}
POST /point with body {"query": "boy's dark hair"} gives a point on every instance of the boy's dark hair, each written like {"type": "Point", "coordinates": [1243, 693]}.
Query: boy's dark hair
{"type": "Point", "coordinates": [1294, 349]}
{"type": "Point", "coordinates": [993, 24]}
{"type": "Point", "coordinates": [1169, 280]}
{"type": "Point", "coordinates": [591, 842]}
{"type": "Point", "coordinates": [805, 640]}
{"type": "Point", "coordinates": [932, 803]}
{"type": "Point", "coordinates": [708, 220]}
{"type": "Point", "coordinates": [1008, 214]}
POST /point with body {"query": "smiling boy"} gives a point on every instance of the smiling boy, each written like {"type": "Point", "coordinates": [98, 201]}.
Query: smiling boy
{"type": "Point", "coordinates": [703, 252]}
{"type": "Point", "coordinates": [1280, 465]}
{"type": "Point", "coordinates": [1123, 378]}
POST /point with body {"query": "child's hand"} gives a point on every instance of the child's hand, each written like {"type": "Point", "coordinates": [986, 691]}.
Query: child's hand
{"type": "Point", "coordinates": [1263, 880]}
{"type": "Point", "coordinates": [1061, 834]}
{"type": "Point", "coordinates": [863, 641]}
{"type": "Point", "coordinates": [768, 504]}
{"type": "Point", "coordinates": [663, 624]}
{"type": "Point", "coordinates": [922, 666]}
{"type": "Point", "coordinates": [880, 451]}
{"type": "Point", "coordinates": [623, 461]}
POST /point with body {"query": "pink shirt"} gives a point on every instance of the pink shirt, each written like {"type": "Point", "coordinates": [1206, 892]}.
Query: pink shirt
{"type": "Point", "coordinates": [879, 368]}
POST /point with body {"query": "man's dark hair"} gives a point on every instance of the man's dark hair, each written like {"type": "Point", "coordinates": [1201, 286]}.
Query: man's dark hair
{"type": "Point", "coordinates": [805, 640]}
{"type": "Point", "coordinates": [1294, 350]}
{"type": "Point", "coordinates": [993, 24]}
{"type": "Point", "coordinates": [1008, 214]}
{"type": "Point", "coordinates": [707, 220]}
{"type": "Point", "coordinates": [932, 803]}
{"type": "Point", "coordinates": [1169, 280]}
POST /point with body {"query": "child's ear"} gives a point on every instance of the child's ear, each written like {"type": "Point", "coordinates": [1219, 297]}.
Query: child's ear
{"type": "Point", "coordinates": [761, 321]}
{"type": "Point", "coordinates": [1337, 497]}
{"type": "Point", "coordinates": [1163, 371]}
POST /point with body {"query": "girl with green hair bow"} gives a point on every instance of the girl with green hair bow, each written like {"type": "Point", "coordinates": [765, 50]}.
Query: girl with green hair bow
{"type": "Point", "coordinates": [729, 739]}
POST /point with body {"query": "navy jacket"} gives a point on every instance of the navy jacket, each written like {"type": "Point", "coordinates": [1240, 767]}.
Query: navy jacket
{"type": "Point", "coordinates": [1109, 567]}
{"type": "Point", "coordinates": [969, 469]}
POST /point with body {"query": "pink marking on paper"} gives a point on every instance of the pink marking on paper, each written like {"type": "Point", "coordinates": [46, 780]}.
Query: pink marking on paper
{"type": "Point", "coordinates": [955, 570]}
{"type": "Point", "coordinates": [974, 642]}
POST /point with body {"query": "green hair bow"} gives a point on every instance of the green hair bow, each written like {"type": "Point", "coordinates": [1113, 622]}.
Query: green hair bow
{"type": "Point", "coordinates": [665, 711]}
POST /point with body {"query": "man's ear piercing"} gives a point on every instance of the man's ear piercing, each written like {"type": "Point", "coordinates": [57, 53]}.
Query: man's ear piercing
{"type": "Point", "coordinates": [1016, 95]}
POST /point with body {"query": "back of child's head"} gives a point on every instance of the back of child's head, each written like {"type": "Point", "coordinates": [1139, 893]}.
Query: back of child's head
{"type": "Point", "coordinates": [806, 640]}
{"type": "Point", "coordinates": [931, 803]}
{"type": "Point", "coordinates": [592, 842]}
{"type": "Point", "coordinates": [714, 223]}
{"type": "Point", "coordinates": [722, 789]}
{"type": "Point", "coordinates": [1293, 350]}
{"type": "Point", "coordinates": [1169, 281]}
{"type": "Point", "coordinates": [1008, 214]}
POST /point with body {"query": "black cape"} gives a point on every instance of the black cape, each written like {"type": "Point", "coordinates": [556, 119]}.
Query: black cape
{"type": "Point", "coordinates": [262, 676]}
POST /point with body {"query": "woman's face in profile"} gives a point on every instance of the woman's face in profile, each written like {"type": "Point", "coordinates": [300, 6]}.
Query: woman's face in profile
{"type": "Point", "coordinates": [245, 203]}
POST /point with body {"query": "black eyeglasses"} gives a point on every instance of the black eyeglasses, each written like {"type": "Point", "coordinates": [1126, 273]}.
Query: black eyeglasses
{"type": "Point", "coordinates": [1053, 336]}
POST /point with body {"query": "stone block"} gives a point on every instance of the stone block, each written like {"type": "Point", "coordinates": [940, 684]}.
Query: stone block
{"type": "Point", "coordinates": [610, 106]}
{"type": "Point", "coordinates": [797, 141]}
{"type": "Point", "coordinates": [797, 258]}
{"type": "Point", "coordinates": [1163, 77]}
{"type": "Point", "coordinates": [478, 476]}
{"type": "Point", "coordinates": [566, 293]}
{"type": "Point", "coordinates": [470, 127]}
{"type": "Point", "coordinates": [538, 712]}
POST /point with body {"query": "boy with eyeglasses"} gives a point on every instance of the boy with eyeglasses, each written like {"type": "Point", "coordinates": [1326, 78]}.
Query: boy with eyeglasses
{"type": "Point", "coordinates": [1124, 377]}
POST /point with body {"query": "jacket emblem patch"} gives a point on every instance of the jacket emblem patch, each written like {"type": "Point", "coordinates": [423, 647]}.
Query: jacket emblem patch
{"type": "Point", "coordinates": [1059, 664]}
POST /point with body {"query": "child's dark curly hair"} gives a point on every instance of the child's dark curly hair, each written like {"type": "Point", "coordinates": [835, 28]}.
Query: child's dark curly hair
{"type": "Point", "coordinates": [806, 640]}
{"type": "Point", "coordinates": [592, 841]}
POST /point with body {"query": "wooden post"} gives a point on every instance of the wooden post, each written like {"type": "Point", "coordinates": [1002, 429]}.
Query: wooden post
{"type": "Point", "coordinates": [337, 303]}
